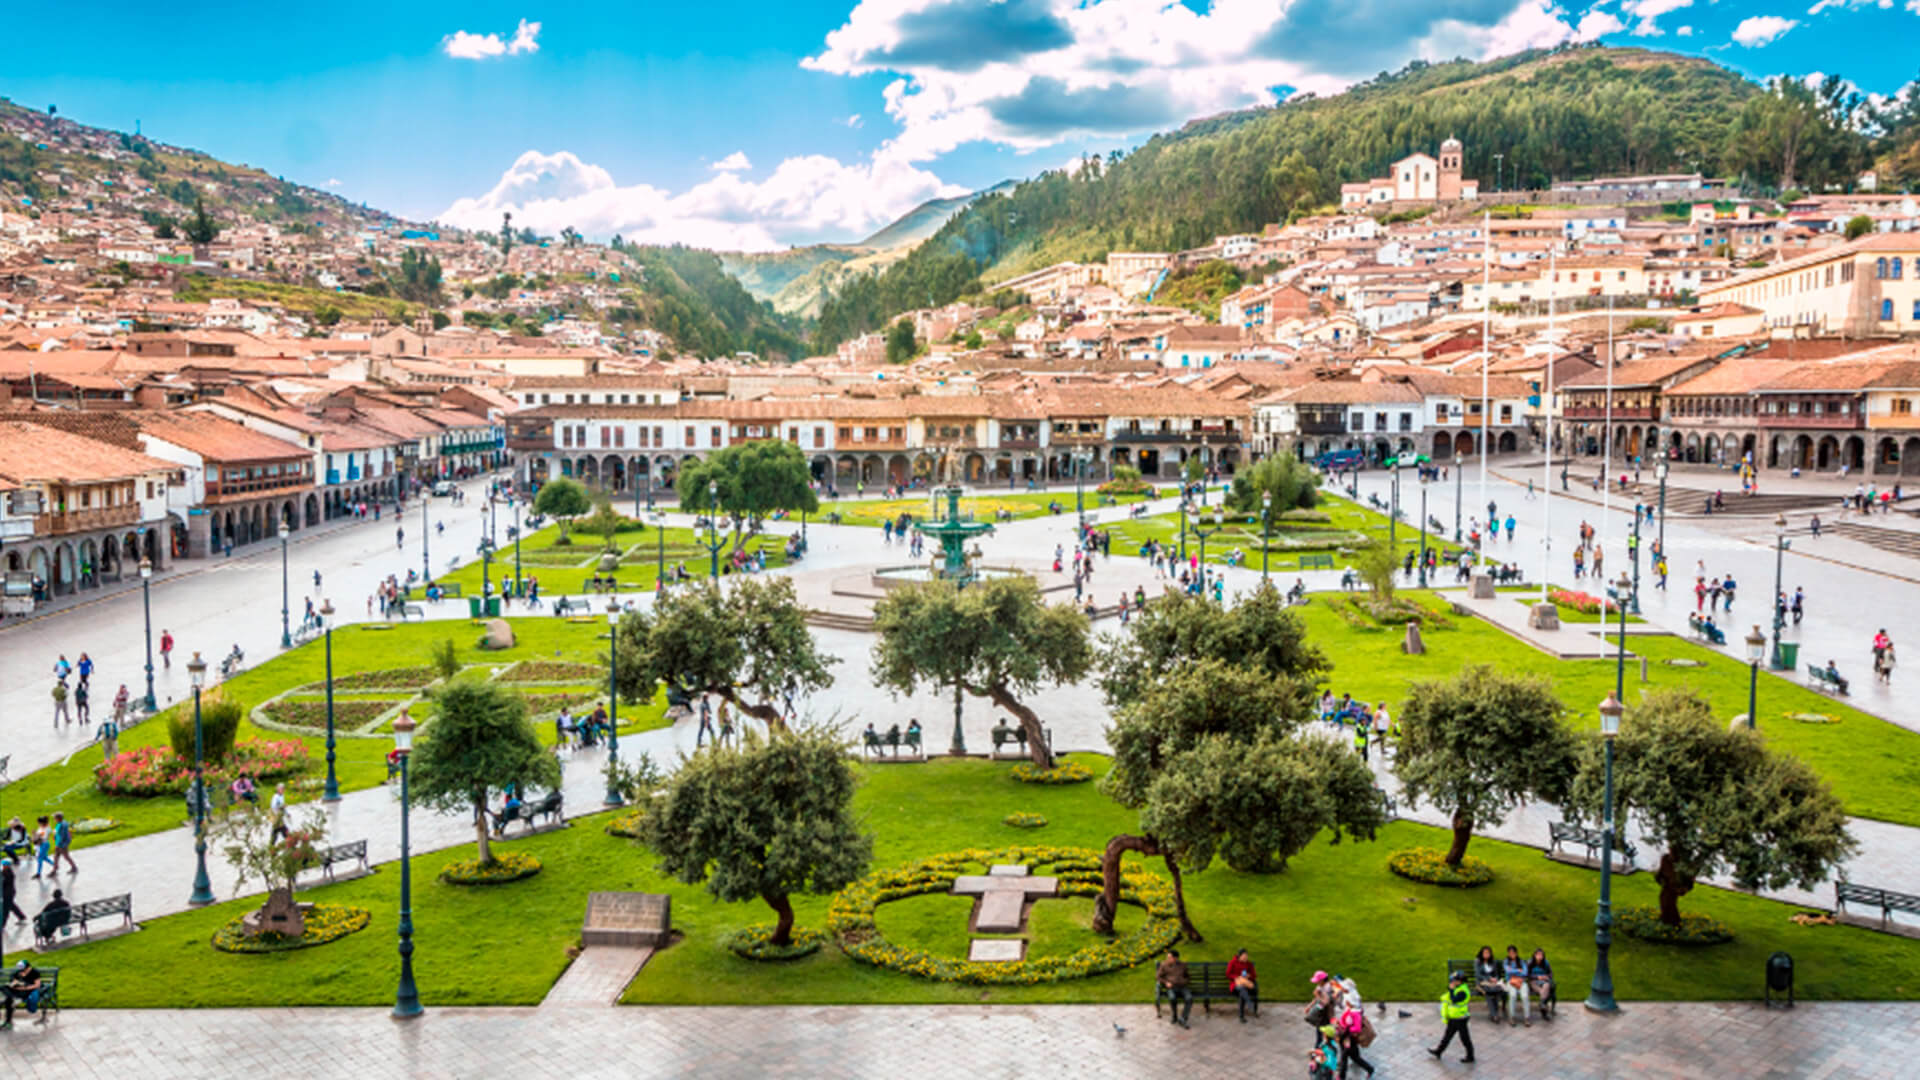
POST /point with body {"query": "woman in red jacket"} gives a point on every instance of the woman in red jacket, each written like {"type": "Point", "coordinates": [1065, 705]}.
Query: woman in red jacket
{"type": "Point", "coordinates": [1245, 983]}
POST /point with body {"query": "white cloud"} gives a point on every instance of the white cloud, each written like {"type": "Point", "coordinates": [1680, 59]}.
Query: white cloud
{"type": "Point", "coordinates": [333, 181]}
{"type": "Point", "coordinates": [854, 120]}
{"type": "Point", "coordinates": [1757, 30]}
{"type": "Point", "coordinates": [806, 199]}
{"type": "Point", "coordinates": [1648, 11]}
{"type": "Point", "coordinates": [462, 45]}
{"type": "Point", "coordinates": [1029, 74]}
{"type": "Point", "coordinates": [1687, 31]}
{"type": "Point", "coordinates": [1822, 5]}
{"type": "Point", "coordinates": [734, 162]}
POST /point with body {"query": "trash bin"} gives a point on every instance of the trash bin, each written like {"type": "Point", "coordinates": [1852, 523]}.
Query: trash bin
{"type": "Point", "coordinates": [473, 606]}
{"type": "Point", "coordinates": [1786, 656]}
{"type": "Point", "coordinates": [1780, 977]}
{"type": "Point", "coordinates": [493, 607]}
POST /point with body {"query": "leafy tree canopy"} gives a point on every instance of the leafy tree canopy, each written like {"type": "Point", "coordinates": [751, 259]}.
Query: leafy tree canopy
{"type": "Point", "coordinates": [1179, 630]}
{"type": "Point", "coordinates": [479, 739]}
{"type": "Point", "coordinates": [1293, 485]}
{"type": "Point", "coordinates": [748, 643]}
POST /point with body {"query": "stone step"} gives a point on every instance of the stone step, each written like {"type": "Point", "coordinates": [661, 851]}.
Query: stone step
{"type": "Point", "coordinates": [1001, 912]}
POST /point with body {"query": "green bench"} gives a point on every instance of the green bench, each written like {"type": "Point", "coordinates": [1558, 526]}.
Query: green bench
{"type": "Point", "coordinates": [1316, 562]}
{"type": "Point", "coordinates": [892, 741]}
{"type": "Point", "coordinates": [1818, 678]}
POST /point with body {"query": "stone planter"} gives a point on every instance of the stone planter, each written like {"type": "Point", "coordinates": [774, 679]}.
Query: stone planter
{"type": "Point", "coordinates": [279, 915]}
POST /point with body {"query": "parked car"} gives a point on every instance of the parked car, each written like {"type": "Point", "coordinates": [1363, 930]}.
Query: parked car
{"type": "Point", "coordinates": [444, 487]}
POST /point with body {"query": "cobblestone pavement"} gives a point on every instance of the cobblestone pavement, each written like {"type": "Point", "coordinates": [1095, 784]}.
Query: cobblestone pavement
{"type": "Point", "coordinates": [1868, 1041]}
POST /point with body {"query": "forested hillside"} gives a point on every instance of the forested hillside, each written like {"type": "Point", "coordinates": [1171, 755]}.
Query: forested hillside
{"type": "Point", "coordinates": [685, 293]}
{"type": "Point", "coordinates": [1568, 113]}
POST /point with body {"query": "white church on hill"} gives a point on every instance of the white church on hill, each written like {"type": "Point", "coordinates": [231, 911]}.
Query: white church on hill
{"type": "Point", "coordinates": [1416, 178]}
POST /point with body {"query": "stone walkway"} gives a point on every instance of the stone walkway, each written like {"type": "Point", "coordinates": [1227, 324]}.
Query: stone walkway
{"type": "Point", "coordinates": [1687, 1041]}
{"type": "Point", "coordinates": [596, 978]}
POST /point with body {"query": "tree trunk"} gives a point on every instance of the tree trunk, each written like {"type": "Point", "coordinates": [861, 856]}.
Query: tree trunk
{"type": "Point", "coordinates": [1037, 747]}
{"type": "Point", "coordinates": [480, 827]}
{"type": "Point", "coordinates": [1673, 886]}
{"type": "Point", "coordinates": [1462, 832]}
{"type": "Point", "coordinates": [1108, 902]}
{"type": "Point", "coordinates": [766, 713]}
{"type": "Point", "coordinates": [1180, 898]}
{"type": "Point", "coordinates": [783, 925]}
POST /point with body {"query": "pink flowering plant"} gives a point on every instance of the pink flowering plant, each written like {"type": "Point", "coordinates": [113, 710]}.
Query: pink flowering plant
{"type": "Point", "coordinates": [148, 771]}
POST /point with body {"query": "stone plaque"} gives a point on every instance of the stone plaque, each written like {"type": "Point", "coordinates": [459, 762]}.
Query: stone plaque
{"type": "Point", "coordinates": [995, 950]}
{"type": "Point", "coordinates": [627, 918]}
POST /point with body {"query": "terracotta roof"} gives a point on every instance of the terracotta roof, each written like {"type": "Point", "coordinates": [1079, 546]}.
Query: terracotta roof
{"type": "Point", "coordinates": [33, 453]}
{"type": "Point", "coordinates": [1837, 376]}
{"type": "Point", "coordinates": [214, 438]}
{"type": "Point", "coordinates": [1643, 372]}
{"type": "Point", "coordinates": [1739, 375]}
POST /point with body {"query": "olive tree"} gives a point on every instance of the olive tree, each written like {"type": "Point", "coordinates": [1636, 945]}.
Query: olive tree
{"type": "Point", "coordinates": [563, 500]}
{"type": "Point", "coordinates": [747, 643]}
{"type": "Point", "coordinates": [479, 739]}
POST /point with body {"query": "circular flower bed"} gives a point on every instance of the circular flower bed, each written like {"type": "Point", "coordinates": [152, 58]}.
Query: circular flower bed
{"type": "Point", "coordinates": [406, 678]}
{"type": "Point", "coordinates": [1644, 923]}
{"type": "Point", "coordinates": [627, 824]}
{"type": "Point", "coordinates": [95, 825]}
{"type": "Point", "coordinates": [147, 771]}
{"type": "Point", "coordinates": [755, 943]}
{"type": "Point", "coordinates": [851, 917]}
{"type": "Point", "coordinates": [324, 923]}
{"type": "Point", "coordinates": [1020, 819]}
{"type": "Point", "coordinates": [348, 713]}
{"type": "Point", "coordinates": [1429, 866]}
{"type": "Point", "coordinates": [506, 866]}
{"type": "Point", "coordinates": [553, 671]}
{"type": "Point", "coordinates": [1063, 772]}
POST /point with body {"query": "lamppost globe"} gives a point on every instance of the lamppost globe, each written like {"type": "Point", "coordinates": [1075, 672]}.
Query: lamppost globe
{"type": "Point", "coordinates": [146, 568]}
{"type": "Point", "coordinates": [146, 610]}
{"type": "Point", "coordinates": [406, 998]}
{"type": "Point", "coordinates": [197, 671]}
{"type": "Point", "coordinates": [1756, 645]}
{"type": "Point", "coordinates": [1610, 712]}
{"type": "Point", "coordinates": [202, 894]}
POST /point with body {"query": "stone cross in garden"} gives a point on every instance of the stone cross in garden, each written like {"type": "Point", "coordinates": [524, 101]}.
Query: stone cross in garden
{"type": "Point", "coordinates": [1003, 892]}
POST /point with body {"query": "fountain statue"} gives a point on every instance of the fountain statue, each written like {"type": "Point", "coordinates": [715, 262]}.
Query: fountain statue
{"type": "Point", "coordinates": [953, 533]}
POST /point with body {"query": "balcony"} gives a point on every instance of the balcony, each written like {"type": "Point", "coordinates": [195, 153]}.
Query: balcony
{"type": "Point", "coordinates": [1182, 437]}
{"type": "Point", "coordinates": [1619, 412]}
{"type": "Point", "coordinates": [1322, 427]}
{"type": "Point", "coordinates": [333, 476]}
{"type": "Point", "coordinates": [353, 473]}
{"type": "Point", "coordinates": [238, 490]}
{"type": "Point", "coordinates": [532, 442]}
{"type": "Point", "coordinates": [1010, 443]}
{"type": "Point", "coordinates": [1826, 421]}
{"type": "Point", "coordinates": [1079, 438]}
{"type": "Point", "coordinates": [75, 521]}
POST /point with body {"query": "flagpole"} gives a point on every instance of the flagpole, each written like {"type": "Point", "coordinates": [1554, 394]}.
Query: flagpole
{"type": "Point", "coordinates": [1606, 435]}
{"type": "Point", "coordinates": [1486, 354]}
{"type": "Point", "coordinates": [1546, 455]}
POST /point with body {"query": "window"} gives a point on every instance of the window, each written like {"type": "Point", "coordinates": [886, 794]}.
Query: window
{"type": "Point", "coordinates": [606, 437]}
{"type": "Point", "coordinates": [1406, 421]}
{"type": "Point", "coordinates": [546, 399]}
{"type": "Point", "coordinates": [714, 435]}
{"type": "Point", "coordinates": [1879, 268]}
{"type": "Point", "coordinates": [1359, 422]}
{"type": "Point", "coordinates": [659, 436]}
{"type": "Point", "coordinates": [566, 439]}
{"type": "Point", "coordinates": [1886, 311]}
{"type": "Point", "coordinates": [1895, 273]}
{"type": "Point", "coordinates": [620, 436]}
{"type": "Point", "coordinates": [691, 440]}
{"type": "Point", "coordinates": [1903, 406]}
{"type": "Point", "coordinates": [819, 437]}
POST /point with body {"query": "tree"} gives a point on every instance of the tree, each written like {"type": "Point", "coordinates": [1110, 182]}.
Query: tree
{"type": "Point", "coordinates": [752, 479]}
{"type": "Point", "coordinates": [900, 342]}
{"type": "Point", "coordinates": [562, 499]}
{"type": "Point", "coordinates": [606, 522]}
{"type": "Point", "coordinates": [1480, 743]}
{"type": "Point", "coordinates": [202, 228]}
{"type": "Point", "coordinates": [165, 230]}
{"type": "Point", "coordinates": [1179, 630]}
{"type": "Point", "coordinates": [1858, 226]}
{"type": "Point", "coordinates": [257, 850]}
{"type": "Point", "coordinates": [763, 821]}
{"type": "Point", "coordinates": [1715, 800]}
{"type": "Point", "coordinates": [506, 233]}
{"type": "Point", "coordinates": [748, 643]}
{"type": "Point", "coordinates": [1213, 758]}
{"type": "Point", "coordinates": [1292, 485]}
{"type": "Point", "coordinates": [479, 738]}
{"type": "Point", "coordinates": [220, 717]}
{"type": "Point", "coordinates": [1377, 566]}
{"type": "Point", "coordinates": [996, 639]}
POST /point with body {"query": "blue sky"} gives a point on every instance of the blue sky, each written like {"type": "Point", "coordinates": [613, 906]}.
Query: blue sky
{"type": "Point", "coordinates": [764, 124]}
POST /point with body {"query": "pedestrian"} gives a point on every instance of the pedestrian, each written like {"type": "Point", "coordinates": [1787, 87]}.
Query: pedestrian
{"type": "Point", "coordinates": [60, 704]}
{"type": "Point", "coordinates": [1455, 1005]}
{"type": "Point", "coordinates": [1360, 732]}
{"type": "Point", "coordinates": [62, 669]}
{"type": "Point", "coordinates": [109, 736]}
{"type": "Point", "coordinates": [166, 649]}
{"type": "Point", "coordinates": [1799, 604]}
{"type": "Point", "coordinates": [42, 845]}
{"type": "Point", "coordinates": [706, 723]}
{"type": "Point", "coordinates": [1354, 1032]}
{"type": "Point", "coordinates": [120, 702]}
{"type": "Point", "coordinates": [316, 581]}
{"type": "Point", "coordinates": [9, 889]}
{"type": "Point", "coordinates": [1713, 594]}
{"type": "Point", "coordinates": [277, 809]}
{"type": "Point", "coordinates": [86, 669]}
{"type": "Point", "coordinates": [1728, 586]}
{"type": "Point", "coordinates": [62, 840]}
{"type": "Point", "coordinates": [1699, 594]}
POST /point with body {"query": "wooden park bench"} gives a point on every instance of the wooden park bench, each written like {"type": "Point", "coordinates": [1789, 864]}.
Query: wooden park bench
{"type": "Point", "coordinates": [1818, 678]}
{"type": "Point", "coordinates": [341, 853]}
{"type": "Point", "coordinates": [1207, 980]}
{"type": "Point", "coordinates": [1547, 1005]}
{"type": "Point", "coordinates": [1888, 901]}
{"type": "Point", "coordinates": [874, 741]}
{"type": "Point", "coordinates": [1316, 562]}
{"type": "Point", "coordinates": [49, 999]}
{"type": "Point", "coordinates": [1567, 832]}
{"type": "Point", "coordinates": [412, 611]}
{"type": "Point", "coordinates": [528, 812]}
{"type": "Point", "coordinates": [47, 924]}
{"type": "Point", "coordinates": [1706, 631]}
{"type": "Point", "coordinates": [1014, 733]}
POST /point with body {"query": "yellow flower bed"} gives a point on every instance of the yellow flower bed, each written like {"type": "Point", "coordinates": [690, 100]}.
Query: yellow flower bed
{"type": "Point", "coordinates": [323, 923]}
{"type": "Point", "coordinates": [1430, 867]}
{"type": "Point", "coordinates": [851, 918]}
{"type": "Point", "coordinates": [506, 866]}
{"type": "Point", "coordinates": [1063, 772]}
{"type": "Point", "coordinates": [755, 943]}
{"type": "Point", "coordinates": [1021, 819]}
{"type": "Point", "coordinates": [1644, 923]}
{"type": "Point", "coordinates": [627, 824]}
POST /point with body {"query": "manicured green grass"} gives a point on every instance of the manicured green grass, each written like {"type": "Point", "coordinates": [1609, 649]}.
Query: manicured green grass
{"type": "Point", "coordinates": [1335, 907]}
{"type": "Point", "coordinates": [1022, 505]}
{"type": "Point", "coordinates": [566, 570]}
{"type": "Point", "coordinates": [1874, 766]}
{"type": "Point", "coordinates": [1349, 526]}
{"type": "Point", "coordinates": [360, 762]}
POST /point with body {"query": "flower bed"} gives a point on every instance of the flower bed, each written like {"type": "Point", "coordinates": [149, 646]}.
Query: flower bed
{"type": "Point", "coordinates": [1644, 923]}
{"type": "Point", "coordinates": [1351, 614]}
{"type": "Point", "coordinates": [553, 671]}
{"type": "Point", "coordinates": [152, 770]}
{"type": "Point", "coordinates": [755, 943]}
{"type": "Point", "coordinates": [1063, 772]}
{"type": "Point", "coordinates": [323, 923]}
{"type": "Point", "coordinates": [1021, 819]}
{"type": "Point", "coordinates": [627, 824]}
{"type": "Point", "coordinates": [348, 714]}
{"type": "Point", "coordinates": [850, 917]}
{"type": "Point", "coordinates": [506, 866]}
{"type": "Point", "coordinates": [1429, 867]}
{"type": "Point", "coordinates": [1399, 613]}
{"type": "Point", "coordinates": [406, 678]}
{"type": "Point", "coordinates": [539, 704]}
{"type": "Point", "coordinates": [1583, 602]}
{"type": "Point", "coordinates": [95, 825]}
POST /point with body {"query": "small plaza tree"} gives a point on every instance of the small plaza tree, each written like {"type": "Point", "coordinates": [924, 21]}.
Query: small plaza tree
{"type": "Point", "coordinates": [1213, 757]}
{"type": "Point", "coordinates": [479, 739]}
{"type": "Point", "coordinates": [1291, 483]}
{"type": "Point", "coordinates": [748, 643]}
{"type": "Point", "coordinates": [1179, 629]}
{"type": "Point", "coordinates": [1715, 800]}
{"type": "Point", "coordinates": [605, 522]}
{"type": "Point", "coordinates": [764, 820]}
{"type": "Point", "coordinates": [257, 851]}
{"type": "Point", "coordinates": [562, 499]}
{"type": "Point", "coordinates": [996, 639]}
{"type": "Point", "coordinates": [1480, 743]}
{"type": "Point", "coordinates": [752, 479]}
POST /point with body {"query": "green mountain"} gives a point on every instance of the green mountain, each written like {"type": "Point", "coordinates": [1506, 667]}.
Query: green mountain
{"type": "Point", "coordinates": [924, 220]}
{"type": "Point", "coordinates": [687, 294]}
{"type": "Point", "coordinates": [1569, 112]}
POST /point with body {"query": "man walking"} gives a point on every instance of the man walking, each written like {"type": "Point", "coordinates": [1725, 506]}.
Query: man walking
{"type": "Point", "coordinates": [166, 649]}
{"type": "Point", "coordinates": [8, 890]}
{"type": "Point", "coordinates": [1455, 1005]}
{"type": "Point", "coordinates": [706, 723]}
{"type": "Point", "coordinates": [60, 703]}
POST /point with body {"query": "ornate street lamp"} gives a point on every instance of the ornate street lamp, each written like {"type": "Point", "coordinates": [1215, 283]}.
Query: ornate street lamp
{"type": "Point", "coordinates": [613, 702]}
{"type": "Point", "coordinates": [286, 631]}
{"type": "Point", "coordinates": [1660, 470]}
{"type": "Point", "coordinates": [1600, 993]}
{"type": "Point", "coordinates": [406, 999]}
{"type": "Point", "coordinates": [146, 607]}
{"type": "Point", "coordinates": [1780, 545]}
{"type": "Point", "coordinates": [426, 565]}
{"type": "Point", "coordinates": [659, 520]}
{"type": "Point", "coordinates": [332, 791]}
{"type": "Point", "coordinates": [1266, 533]}
{"type": "Point", "coordinates": [202, 887]}
{"type": "Point", "coordinates": [1756, 652]}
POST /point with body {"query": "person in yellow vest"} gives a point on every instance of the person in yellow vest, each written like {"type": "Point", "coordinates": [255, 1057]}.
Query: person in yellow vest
{"type": "Point", "coordinates": [1454, 1007]}
{"type": "Point", "coordinates": [1361, 724]}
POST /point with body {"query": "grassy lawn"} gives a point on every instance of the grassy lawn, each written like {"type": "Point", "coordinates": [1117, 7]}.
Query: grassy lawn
{"type": "Point", "coordinates": [1334, 907]}
{"type": "Point", "coordinates": [1349, 526]}
{"type": "Point", "coordinates": [1022, 505]}
{"type": "Point", "coordinates": [565, 570]}
{"type": "Point", "coordinates": [360, 762]}
{"type": "Point", "coordinates": [1874, 766]}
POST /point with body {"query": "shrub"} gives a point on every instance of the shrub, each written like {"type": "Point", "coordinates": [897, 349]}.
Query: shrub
{"type": "Point", "coordinates": [1644, 923]}
{"type": "Point", "coordinates": [323, 923]}
{"type": "Point", "coordinates": [1063, 772]}
{"type": "Point", "coordinates": [1021, 819]}
{"type": "Point", "coordinates": [554, 671]}
{"type": "Point", "coordinates": [756, 943]}
{"type": "Point", "coordinates": [220, 718]}
{"type": "Point", "coordinates": [627, 825]}
{"type": "Point", "coordinates": [1582, 602]}
{"type": "Point", "coordinates": [444, 660]}
{"type": "Point", "coordinates": [154, 770]}
{"type": "Point", "coordinates": [1429, 866]}
{"type": "Point", "coordinates": [506, 866]}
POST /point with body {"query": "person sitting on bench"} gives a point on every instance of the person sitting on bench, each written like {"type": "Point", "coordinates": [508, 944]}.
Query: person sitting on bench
{"type": "Point", "coordinates": [1170, 982]}
{"type": "Point", "coordinates": [1540, 977]}
{"type": "Point", "coordinates": [1244, 982]}
{"type": "Point", "coordinates": [509, 810]}
{"type": "Point", "coordinates": [23, 984]}
{"type": "Point", "coordinates": [1490, 978]}
{"type": "Point", "coordinates": [1833, 676]}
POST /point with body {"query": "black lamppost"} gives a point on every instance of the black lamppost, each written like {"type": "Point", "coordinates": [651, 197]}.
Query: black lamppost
{"type": "Point", "coordinates": [659, 519]}
{"type": "Point", "coordinates": [202, 888]}
{"type": "Point", "coordinates": [1660, 470]}
{"type": "Point", "coordinates": [1393, 507]}
{"type": "Point", "coordinates": [486, 570]}
{"type": "Point", "coordinates": [1780, 545]}
{"type": "Point", "coordinates": [613, 702]}
{"type": "Point", "coordinates": [286, 630]}
{"type": "Point", "coordinates": [332, 792]}
{"type": "Point", "coordinates": [1633, 556]}
{"type": "Point", "coordinates": [1600, 992]}
{"type": "Point", "coordinates": [1266, 533]}
{"type": "Point", "coordinates": [1423, 528]}
{"type": "Point", "coordinates": [1459, 470]}
{"type": "Point", "coordinates": [146, 607]}
{"type": "Point", "coordinates": [1079, 487]}
{"type": "Point", "coordinates": [713, 542]}
{"type": "Point", "coordinates": [406, 998]}
{"type": "Point", "coordinates": [1183, 525]}
{"type": "Point", "coordinates": [1756, 651]}
{"type": "Point", "coordinates": [1201, 535]}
